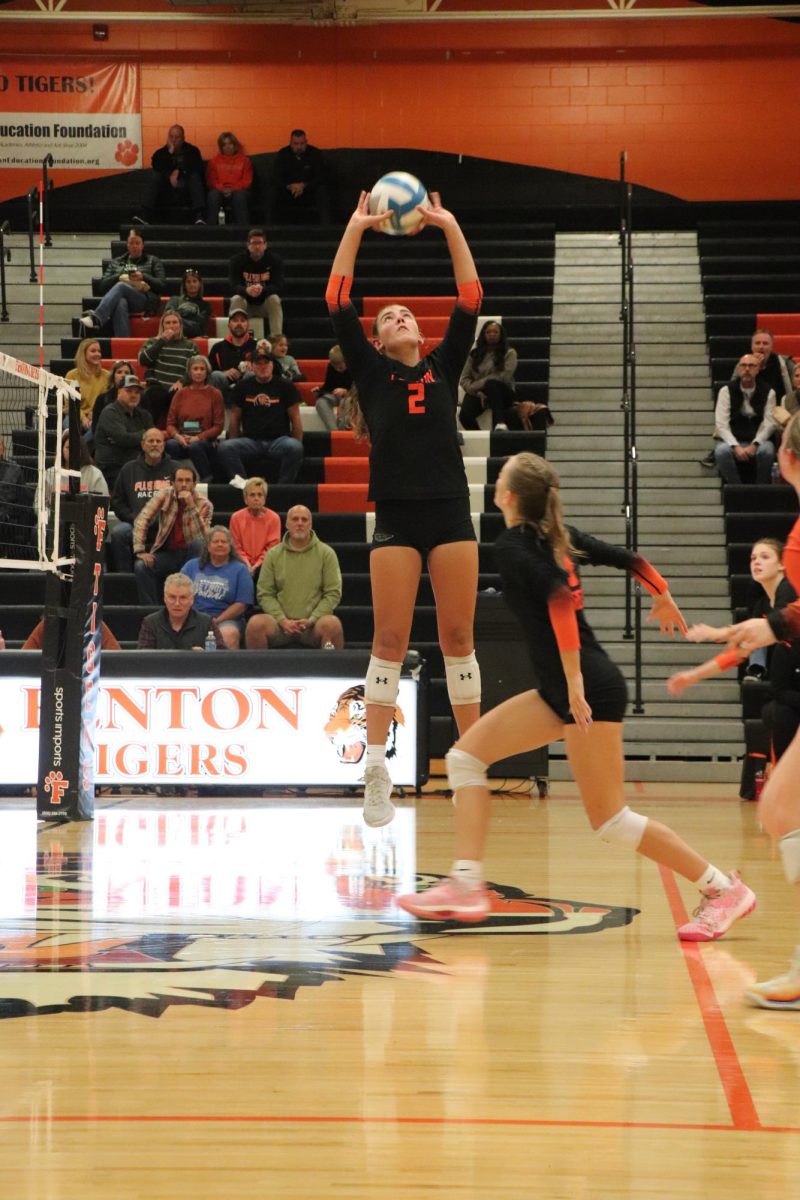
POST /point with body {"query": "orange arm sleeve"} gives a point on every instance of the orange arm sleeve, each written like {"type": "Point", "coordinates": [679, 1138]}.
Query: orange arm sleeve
{"type": "Point", "coordinates": [728, 658]}
{"type": "Point", "coordinates": [337, 293]}
{"type": "Point", "coordinates": [470, 295]}
{"type": "Point", "coordinates": [561, 608]}
{"type": "Point", "coordinates": [648, 576]}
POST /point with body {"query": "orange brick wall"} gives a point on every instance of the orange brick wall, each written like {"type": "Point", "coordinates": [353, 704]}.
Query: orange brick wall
{"type": "Point", "coordinates": [706, 109]}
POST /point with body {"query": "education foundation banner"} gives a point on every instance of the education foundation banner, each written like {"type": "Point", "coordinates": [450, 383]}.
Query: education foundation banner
{"type": "Point", "coordinates": [88, 116]}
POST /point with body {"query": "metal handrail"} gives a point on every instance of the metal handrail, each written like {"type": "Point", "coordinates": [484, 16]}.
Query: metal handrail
{"type": "Point", "coordinates": [32, 201]}
{"type": "Point", "coordinates": [5, 256]}
{"type": "Point", "coordinates": [47, 185]}
{"type": "Point", "coordinates": [630, 503]}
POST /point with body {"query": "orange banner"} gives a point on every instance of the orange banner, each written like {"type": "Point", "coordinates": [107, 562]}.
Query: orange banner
{"type": "Point", "coordinates": [85, 115]}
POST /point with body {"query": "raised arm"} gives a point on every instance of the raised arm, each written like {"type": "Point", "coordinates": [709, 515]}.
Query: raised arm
{"type": "Point", "coordinates": [464, 267]}
{"type": "Point", "coordinates": [344, 263]}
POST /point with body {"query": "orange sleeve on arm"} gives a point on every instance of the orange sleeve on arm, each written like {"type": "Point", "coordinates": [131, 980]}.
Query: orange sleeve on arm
{"type": "Point", "coordinates": [470, 295]}
{"type": "Point", "coordinates": [561, 608]}
{"type": "Point", "coordinates": [728, 658]}
{"type": "Point", "coordinates": [648, 576]}
{"type": "Point", "coordinates": [337, 293]}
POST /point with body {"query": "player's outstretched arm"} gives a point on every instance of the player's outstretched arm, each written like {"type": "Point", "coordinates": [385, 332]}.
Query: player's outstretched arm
{"type": "Point", "coordinates": [344, 262]}
{"type": "Point", "coordinates": [464, 267]}
{"type": "Point", "coordinates": [668, 615]}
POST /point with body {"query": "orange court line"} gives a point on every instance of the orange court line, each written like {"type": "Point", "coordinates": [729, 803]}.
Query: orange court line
{"type": "Point", "coordinates": [732, 1077]}
{"type": "Point", "coordinates": [295, 1119]}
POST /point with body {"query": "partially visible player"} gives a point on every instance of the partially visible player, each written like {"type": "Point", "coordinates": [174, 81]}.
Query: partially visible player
{"type": "Point", "coordinates": [418, 483]}
{"type": "Point", "coordinates": [780, 800]}
{"type": "Point", "coordinates": [581, 698]}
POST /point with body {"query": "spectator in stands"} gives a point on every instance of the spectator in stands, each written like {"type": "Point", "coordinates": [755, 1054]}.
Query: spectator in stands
{"type": "Point", "coordinates": [35, 639]}
{"type": "Point", "coordinates": [165, 359]}
{"type": "Point", "coordinates": [265, 425]}
{"type": "Point", "coordinates": [229, 176]}
{"type": "Point", "coordinates": [223, 586]}
{"type": "Point", "coordinates": [776, 369]}
{"type": "Point", "coordinates": [790, 401]}
{"type": "Point", "coordinates": [232, 357]}
{"type": "Point", "coordinates": [488, 378]}
{"type": "Point", "coordinates": [744, 424]}
{"type": "Point", "coordinates": [184, 519]}
{"type": "Point", "coordinates": [288, 365]}
{"type": "Point", "coordinates": [255, 529]}
{"type": "Point", "coordinates": [133, 282]}
{"type": "Point", "coordinates": [338, 381]}
{"type": "Point", "coordinates": [177, 626]}
{"type": "Point", "coordinates": [299, 586]}
{"type": "Point", "coordinates": [138, 481]}
{"type": "Point", "coordinates": [256, 280]}
{"type": "Point", "coordinates": [16, 507]}
{"type": "Point", "coordinates": [120, 428]}
{"type": "Point", "coordinates": [301, 182]}
{"type": "Point", "coordinates": [176, 178]}
{"type": "Point", "coordinates": [92, 478]}
{"type": "Point", "coordinates": [117, 373]}
{"type": "Point", "coordinates": [193, 310]}
{"type": "Point", "coordinates": [91, 377]}
{"type": "Point", "coordinates": [196, 418]}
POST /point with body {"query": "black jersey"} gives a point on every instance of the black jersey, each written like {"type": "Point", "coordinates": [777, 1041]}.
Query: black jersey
{"type": "Point", "coordinates": [534, 586]}
{"type": "Point", "coordinates": [410, 411]}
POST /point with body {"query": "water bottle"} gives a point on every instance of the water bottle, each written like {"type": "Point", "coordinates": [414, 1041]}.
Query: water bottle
{"type": "Point", "coordinates": [211, 641]}
{"type": "Point", "coordinates": [221, 215]}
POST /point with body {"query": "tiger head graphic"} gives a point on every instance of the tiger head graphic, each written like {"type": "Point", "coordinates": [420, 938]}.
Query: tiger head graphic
{"type": "Point", "coordinates": [346, 727]}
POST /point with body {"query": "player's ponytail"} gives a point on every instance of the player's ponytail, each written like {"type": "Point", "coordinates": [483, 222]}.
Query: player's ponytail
{"type": "Point", "coordinates": [535, 484]}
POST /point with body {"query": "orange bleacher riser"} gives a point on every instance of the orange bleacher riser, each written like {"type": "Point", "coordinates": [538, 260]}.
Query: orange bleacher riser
{"type": "Point", "coordinates": [787, 343]}
{"type": "Point", "coordinates": [347, 470]}
{"type": "Point", "coordinates": [144, 327]}
{"type": "Point", "coordinates": [344, 445]}
{"type": "Point", "coordinates": [421, 306]}
{"type": "Point", "coordinates": [779, 323]}
{"type": "Point", "coordinates": [130, 347]}
{"type": "Point", "coordinates": [306, 390]}
{"type": "Point", "coordinates": [313, 368]}
{"type": "Point", "coordinates": [343, 498]}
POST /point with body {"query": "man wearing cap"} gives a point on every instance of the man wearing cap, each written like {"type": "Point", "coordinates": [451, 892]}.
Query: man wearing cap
{"type": "Point", "coordinates": [122, 424]}
{"type": "Point", "coordinates": [265, 425]}
{"type": "Point", "coordinates": [232, 357]}
{"type": "Point", "coordinates": [256, 279]}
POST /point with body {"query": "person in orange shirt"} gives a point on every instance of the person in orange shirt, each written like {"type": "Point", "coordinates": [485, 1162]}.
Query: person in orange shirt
{"type": "Point", "coordinates": [255, 529]}
{"type": "Point", "coordinates": [229, 176]}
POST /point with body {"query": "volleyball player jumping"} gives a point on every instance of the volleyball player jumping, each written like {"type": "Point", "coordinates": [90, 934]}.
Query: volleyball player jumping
{"type": "Point", "coordinates": [581, 698]}
{"type": "Point", "coordinates": [418, 483]}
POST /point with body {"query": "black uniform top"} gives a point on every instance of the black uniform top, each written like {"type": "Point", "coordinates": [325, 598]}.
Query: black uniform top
{"type": "Point", "coordinates": [410, 411]}
{"type": "Point", "coordinates": [547, 598]}
{"type": "Point", "coordinates": [265, 406]}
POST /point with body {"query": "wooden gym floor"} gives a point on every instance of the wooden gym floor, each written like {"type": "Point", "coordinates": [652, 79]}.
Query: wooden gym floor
{"type": "Point", "coordinates": [218, 1000]}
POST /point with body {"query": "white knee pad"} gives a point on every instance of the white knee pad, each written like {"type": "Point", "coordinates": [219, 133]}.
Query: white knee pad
{"type": "Point", "coordinates": [463, 679]}
{"type": "Point", "coordinates": [789, 846]}
{"type": "Point", "coordinates": [464, 771]}
{"type": "Point", "coordinates": [625, 828]}
{"type": "Point", "coordinates": [383, 682]}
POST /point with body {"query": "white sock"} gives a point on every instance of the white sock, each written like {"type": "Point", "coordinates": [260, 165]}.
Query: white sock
{"type": "Point", "coordinates": [467, 871]}
{"type": "Point", "coordinates": [713, 880]}
{"type": "Point", "coordinates": [376, 756]}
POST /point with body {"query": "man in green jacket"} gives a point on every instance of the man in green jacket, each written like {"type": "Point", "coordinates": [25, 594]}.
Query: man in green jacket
{"type": "Point", "coordinates": [299, 586]}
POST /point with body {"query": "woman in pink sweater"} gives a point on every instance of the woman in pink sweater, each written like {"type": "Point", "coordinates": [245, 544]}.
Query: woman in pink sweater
{"type": "Point", "coordinates": [229, 176]}
{"type": "Point", "coordinates": [255, 529]}
{"type": "Point", "coordinates": [195, 419]}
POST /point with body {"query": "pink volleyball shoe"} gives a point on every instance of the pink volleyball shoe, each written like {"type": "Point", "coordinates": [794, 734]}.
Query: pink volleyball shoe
{"type": "Point", "coordinates": [716, 913]}
{"type": "Point", "coordinates": [450, 900]}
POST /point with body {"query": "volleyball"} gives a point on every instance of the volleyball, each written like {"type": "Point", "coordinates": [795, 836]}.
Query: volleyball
{"type": "Point", "coordinates": [399, 194]}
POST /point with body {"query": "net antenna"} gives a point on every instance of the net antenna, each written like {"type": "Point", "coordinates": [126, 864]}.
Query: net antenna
{"type": "Point", "coordinates": [35, 408]}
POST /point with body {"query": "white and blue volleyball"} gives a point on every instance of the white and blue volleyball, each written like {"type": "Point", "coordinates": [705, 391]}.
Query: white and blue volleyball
{"type": "Point", "coordinates": [398, 193]}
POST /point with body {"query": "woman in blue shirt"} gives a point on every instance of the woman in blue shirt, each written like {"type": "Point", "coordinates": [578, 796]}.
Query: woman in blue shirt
{"type": "Point", "coordinates": [223, 587]}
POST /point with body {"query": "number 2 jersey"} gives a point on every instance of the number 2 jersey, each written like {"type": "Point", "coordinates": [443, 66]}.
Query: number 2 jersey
{"type": "Point", "coordinates": [410, 411]}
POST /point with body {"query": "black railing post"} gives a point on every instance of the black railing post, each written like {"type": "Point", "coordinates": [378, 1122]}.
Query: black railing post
{"type": "Point", "coordinates": [32, 199]}
{"type": "Point", "coordinates": [5, 256]}
{"type": "Point", "coordinates": [47, 184]}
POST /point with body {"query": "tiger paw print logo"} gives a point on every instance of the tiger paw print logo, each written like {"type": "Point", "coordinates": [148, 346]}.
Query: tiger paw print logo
{"type": "Point", "coordinates": [127, 153]}
{"type": "Point", "coordinates": [56, 785]}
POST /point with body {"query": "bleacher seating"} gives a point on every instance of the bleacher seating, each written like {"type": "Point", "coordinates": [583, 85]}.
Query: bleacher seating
{"type": "Point", "coordinates": [516, 264]}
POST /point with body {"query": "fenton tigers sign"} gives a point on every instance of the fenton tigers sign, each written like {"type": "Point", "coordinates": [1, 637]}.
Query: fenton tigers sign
{"type": "Point", "coordinates": [231, 731]}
